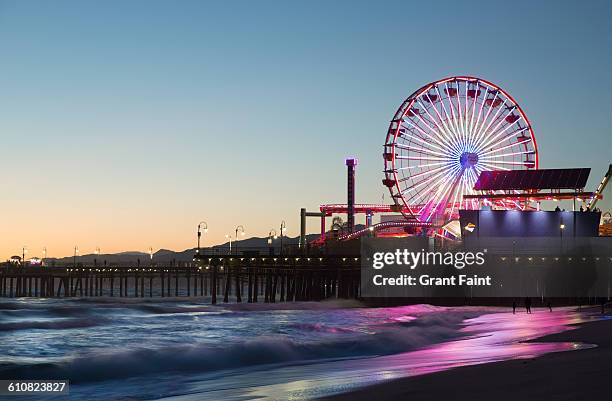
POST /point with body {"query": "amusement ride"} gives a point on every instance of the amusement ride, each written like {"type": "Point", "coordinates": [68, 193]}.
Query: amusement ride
{"type": "Point", "coordinates": [439, 142]}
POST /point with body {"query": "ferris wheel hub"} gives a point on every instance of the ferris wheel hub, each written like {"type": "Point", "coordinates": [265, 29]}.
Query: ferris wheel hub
{"type": "Point", "coordinates": [468, 159]}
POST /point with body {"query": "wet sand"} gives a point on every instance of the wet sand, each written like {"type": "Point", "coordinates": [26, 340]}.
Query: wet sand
{"type": "Point", "coordinates": [573, 375]}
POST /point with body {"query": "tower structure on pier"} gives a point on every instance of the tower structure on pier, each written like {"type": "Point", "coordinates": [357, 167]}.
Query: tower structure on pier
{"type": "Point", "coordinates": [351, 164]}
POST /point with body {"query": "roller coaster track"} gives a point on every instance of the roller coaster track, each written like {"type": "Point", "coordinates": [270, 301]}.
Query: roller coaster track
{"type": "Point", "coordinates": [382, 226]}
{"type": "Point", "coordinates": [600, 188]}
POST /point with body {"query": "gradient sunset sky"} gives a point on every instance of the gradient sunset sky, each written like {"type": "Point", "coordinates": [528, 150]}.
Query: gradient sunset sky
{"type": "Point", "coordinates": [125, 123]}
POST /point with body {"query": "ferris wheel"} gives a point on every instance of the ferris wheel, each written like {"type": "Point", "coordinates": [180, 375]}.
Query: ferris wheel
{"type": "Point", "coordinates": [443, 136]}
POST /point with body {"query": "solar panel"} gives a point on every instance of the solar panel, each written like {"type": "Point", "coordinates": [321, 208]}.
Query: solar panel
{"type": "Point", "coordinates": [566, 178]}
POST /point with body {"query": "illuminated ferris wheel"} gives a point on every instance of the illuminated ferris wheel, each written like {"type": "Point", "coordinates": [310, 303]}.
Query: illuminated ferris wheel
{"type": "Point", "coordinates": [443, 136]}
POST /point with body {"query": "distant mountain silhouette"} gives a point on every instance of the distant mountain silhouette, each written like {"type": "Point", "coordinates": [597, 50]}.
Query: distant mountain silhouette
{"type": "Point", "coordinates": [166, 256]}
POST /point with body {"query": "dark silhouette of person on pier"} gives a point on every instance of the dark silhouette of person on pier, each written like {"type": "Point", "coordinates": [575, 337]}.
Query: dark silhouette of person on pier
{"type": "Point", "coordinates": [528, 304]}
{"type": "Point", "coordinates": [557, 209]}
{"type": "Point", "coordinates": [513, 307]}
{"type": "Point", "coordinates": [549, 305]}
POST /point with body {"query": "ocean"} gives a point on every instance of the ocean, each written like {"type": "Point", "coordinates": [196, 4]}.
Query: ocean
{"type": "Point", "coordinates": [177, 349]}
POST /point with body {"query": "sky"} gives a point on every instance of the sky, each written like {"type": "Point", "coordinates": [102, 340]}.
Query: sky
{"type": "Point", "coordinates": [125, 123]}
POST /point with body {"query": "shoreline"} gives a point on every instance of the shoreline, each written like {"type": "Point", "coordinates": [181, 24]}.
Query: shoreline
{"type": "Point", "coordinates": [575, 375]}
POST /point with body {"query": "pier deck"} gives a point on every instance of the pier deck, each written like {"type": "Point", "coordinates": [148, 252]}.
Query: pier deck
{"type": "Point", "coordinates": [226, 278]}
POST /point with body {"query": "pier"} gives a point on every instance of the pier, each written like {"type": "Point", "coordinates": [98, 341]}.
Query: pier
{"type": "Point", "coordinates": [220, 278]}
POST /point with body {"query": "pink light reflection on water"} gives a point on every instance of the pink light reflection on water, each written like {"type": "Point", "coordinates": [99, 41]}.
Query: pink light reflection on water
{"type": "Point", "coordinates": [493, 337]}
{"type": "Point", "coordinates": [490, 338]}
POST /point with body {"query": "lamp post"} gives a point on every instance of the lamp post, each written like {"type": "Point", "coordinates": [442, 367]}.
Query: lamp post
{"type": "Point", "coordinates": [76, 252]}
{"type": "Point", "coordinates": [241, 229]}
{"type": "Point", "coordinates": [151, 255]}
{"type": "Point", "coordinates": [97, 253]}
{"type": "Point", "coordinates": [561, 228]}
{"type": "Point", "coordinates": [201, 225]}
{"type": "Point", "coordinates": [283, 228]}
{"type": "Point", "coordinates": [42, 262]}
{"type": "Point", "coordinates": [271, 236]}
{"type": "Point", "coordinates": [229, 236]}
{"type": "Point", "coordinates": [24, 250]}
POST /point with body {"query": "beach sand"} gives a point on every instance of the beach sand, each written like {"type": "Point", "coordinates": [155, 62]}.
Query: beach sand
{"type": "Point", "coordinates": [573, 375]}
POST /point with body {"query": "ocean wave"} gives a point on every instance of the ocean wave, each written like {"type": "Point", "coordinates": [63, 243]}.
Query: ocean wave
{"type": "Point", "coordinates": [85, 306]}
{"type": "Point", "coordinates": [320, 328]}
{"type": "Point", "coordinates": [58, 324]}
{"type": "Point", "coordinates": [100, 365]}
{"type": "Point", "coordinates": [327, 304]}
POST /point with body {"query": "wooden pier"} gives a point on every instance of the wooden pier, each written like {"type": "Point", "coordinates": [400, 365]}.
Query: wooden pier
{"type": "Point", "coordinates": [220, 278]}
